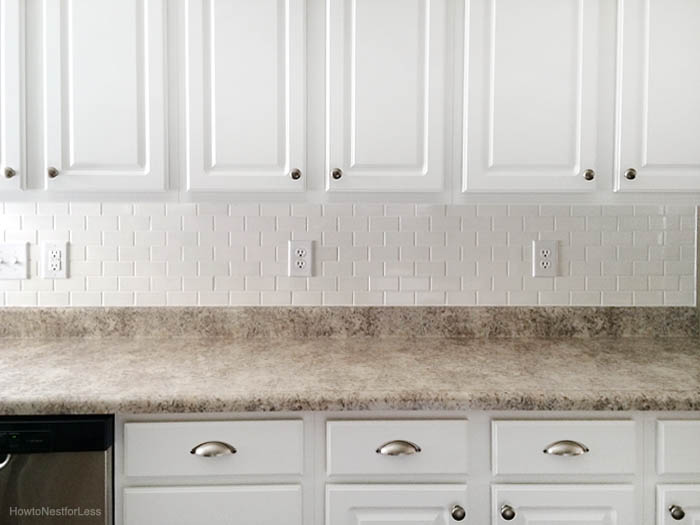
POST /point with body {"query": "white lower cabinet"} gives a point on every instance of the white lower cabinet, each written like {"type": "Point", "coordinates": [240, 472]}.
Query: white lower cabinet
{"type": "Point", "coordinates": [563, 505]}
{"type": "Point", "coordinates": [678, 503]}
{"type": "Point", "coordinates": [394, 504]}
{"type": "Point", "coordinates": [259, 505]}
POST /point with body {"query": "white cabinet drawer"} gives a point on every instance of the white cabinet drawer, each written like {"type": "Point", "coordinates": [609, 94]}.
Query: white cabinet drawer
{"type": "Point", "coordinates": [352, 447]}
{"type": "Point", "coordinates": [519, 447]}
{"type": "Point", "coordinates": [260, 505]}
{"type": "Point", "coordinates": [678, 447]}
{"type": "Point", "coordinates": [261, 447]}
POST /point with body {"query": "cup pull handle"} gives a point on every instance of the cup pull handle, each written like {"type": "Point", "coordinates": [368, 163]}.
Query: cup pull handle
{"type": "Point", "coordinates": [566, 448]}
{"type": "Point", "coordinates": [213, 449]}
{"type": "Point", "coordinates": [398, 447]}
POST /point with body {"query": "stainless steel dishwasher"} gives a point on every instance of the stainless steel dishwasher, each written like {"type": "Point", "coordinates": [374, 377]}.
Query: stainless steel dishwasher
{"type": "Point", "coordinates": [56, 470]}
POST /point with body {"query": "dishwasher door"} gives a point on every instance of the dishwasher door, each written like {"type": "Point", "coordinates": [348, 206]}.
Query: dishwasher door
{"type": "Point", "coordinates": [52, 476]}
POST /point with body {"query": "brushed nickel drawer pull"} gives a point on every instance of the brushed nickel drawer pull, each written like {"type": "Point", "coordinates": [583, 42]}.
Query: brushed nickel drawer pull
{"type": "Point", "coordinates": [398, 448]}
{"type": "Point", "coordinates": [213, 449]}
{"type": "Point", "coordinates": [566, 448]}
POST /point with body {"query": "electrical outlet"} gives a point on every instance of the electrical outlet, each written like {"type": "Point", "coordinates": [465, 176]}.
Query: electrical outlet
{"type": "Point", "coordinates": [14, 261]}
{"type": "Point", "coordinates": [54, 260]}
{"type": "Point", "coordinates": [300, 258]}
{"type": "Point", "coordinates": [545, 259]}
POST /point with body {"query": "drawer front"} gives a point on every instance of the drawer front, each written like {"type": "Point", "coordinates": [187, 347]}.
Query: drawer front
{"type": "Point", "coordinates": [213, 505]}
{"type": "Point", "coordinates": [678, 447]}
{"type": "Point", "coordinates": [352, 447]}
{"type": "Point", "coordinates": [261, 447]}
{"type": "Point", "coordinates": [518, 447]}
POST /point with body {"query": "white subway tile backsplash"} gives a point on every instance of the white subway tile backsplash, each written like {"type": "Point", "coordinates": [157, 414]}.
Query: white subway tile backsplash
{"type": "Point", "coordinates": [216, 254]}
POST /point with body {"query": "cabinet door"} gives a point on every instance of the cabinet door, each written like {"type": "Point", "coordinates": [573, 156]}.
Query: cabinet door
{"type": "Point", "coordinates": [392, 504]}
{"type": "Point", "coordinates": [246, 95]}
{"type": "Point", "coordinates": [531, 111]}
{"type": "Point", "coordinates": [386, 94]}
{"type": "Point", "coordinates": [11, 95]}
{"type": "Point", "coordinates": [259, 505]}
{"type": "Point", "coordinates": [681, 501]}
{"type": "Point", "coordinates": [659, 96]}
{"type": "Point", "coordinates": [104, 85]}
{"type": "Point", "coordinates": [563, 504]}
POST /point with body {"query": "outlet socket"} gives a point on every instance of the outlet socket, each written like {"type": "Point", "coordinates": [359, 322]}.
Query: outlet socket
{"type": "Point", "coordinates": [54, 260]}
{"type": "Point", "coordinates": [545, 259]}
{"type": "Point", "coordinates": [300, 258]}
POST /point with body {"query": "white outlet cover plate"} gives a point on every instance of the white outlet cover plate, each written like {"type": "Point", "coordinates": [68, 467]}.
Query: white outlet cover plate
{"type": "Point", "coordinates": [300, 265]}
{"type": "Point", "coordinates": [54, 267]}
{"type": "Point", "coordinates": [545, 265]}
{"type": "Point", "coordinates": [14, 261]}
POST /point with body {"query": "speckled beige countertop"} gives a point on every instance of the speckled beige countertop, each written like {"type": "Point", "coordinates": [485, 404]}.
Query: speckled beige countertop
{"type": "Point", "coordinates": [150, 375]}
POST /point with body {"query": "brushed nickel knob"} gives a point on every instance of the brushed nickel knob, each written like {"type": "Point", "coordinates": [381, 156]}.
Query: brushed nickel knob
{"type": "Point", "coordinates": [337, 173]}
{"type": "Point", "coordinates": [9, 173]}
{"type": "Point", "coordinates": [458, 513]}
{"type": "Point", "coordinates": [53, 173]}
{"type": "Point", "coordinates": [295, 174]}
{"type": "Point", "coordinates": [507, 512]}
{"type": "Point", "coordinates": [589, 174]}
{"type": "Point", "coordinates": [631, 174]}
{"type": "Point", "coordinates": [677, 513]}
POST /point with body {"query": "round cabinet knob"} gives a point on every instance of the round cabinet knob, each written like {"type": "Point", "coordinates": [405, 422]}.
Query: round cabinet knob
{"type": "Point", "coordinates": [295, 174]}
{"type": "Point", "coordinates": [458, 513]}
{"type": "Point", "coordinates": [507, 512]}
{"type": "Point", "coordinates": [9, 173]}
{"type": "Point", "coordinates": [53, 173]}
{"type": "Point", "coordinates": [677, 513]}
{"type": "Point", "coordinates": [631, 174]}
{"type": "Point", "coordinates": [337, 173]}
{"type": "Point", "coordinates": [589, 175]}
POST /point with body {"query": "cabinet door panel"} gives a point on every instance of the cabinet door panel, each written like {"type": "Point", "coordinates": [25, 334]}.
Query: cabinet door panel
{"type": "Point", "coordinates": [11, 95]}
{"type": "Point", "coordinates": [246, 94]}
{"type": "Point", "coordinates": [271, 505]}
{"type": "Point", "coordinates": [659, 128]}
{"type": "Point", "coordinates": [686, 497]}
{"type": "Point", "coordinates": [531, 111]}
{"type": "Point", "coordinates": [105, 124]}
{"type": "Point", "coordinates": [392, 504]}
{"type": "Point", "coordinates": [565, 504]}
{"type": "Point", "coordinates": [386, 94]}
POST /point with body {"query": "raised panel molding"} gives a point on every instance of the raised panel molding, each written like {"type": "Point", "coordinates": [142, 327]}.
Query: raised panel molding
{"type": "Point", "coordinates": [12, 94]}
{"type": "Point", "coordinates": [105, 95]}
{"type": "Point", "coordinates": [531, 108]}
{"type": "Point", "coordinates": [246, 110]}
{"type": "Point", "coordinates": [565, 504]}
{"type": "Point", "coordinates": [658, 104]}
{"type": "Point", "coordinates": [386, 94]}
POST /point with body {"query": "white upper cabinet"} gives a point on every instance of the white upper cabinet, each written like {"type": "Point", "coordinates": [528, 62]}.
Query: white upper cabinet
{"type": "Point", "coordinates": [104, 95]}
{"type": "Point", "coordinates": [246, 95]}
{"type": "Point", "coordinates": [12, 174]}
{"type": "Point", "coordinates": [659, 96]}
{"type": "Point", "coordinates": [531, 85]}
{"type": "Point", "coordinates": [386, 95]}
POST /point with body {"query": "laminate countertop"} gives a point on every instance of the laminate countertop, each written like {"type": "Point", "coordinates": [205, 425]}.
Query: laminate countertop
{"type": "Point", "coordinates": [177, 375]}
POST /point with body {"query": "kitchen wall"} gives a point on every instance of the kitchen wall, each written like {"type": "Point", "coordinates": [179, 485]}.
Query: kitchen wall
{"type": "Point", "coordinates": [153, 254]}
